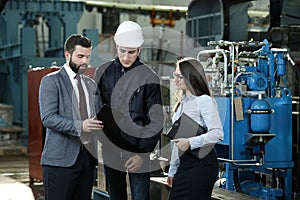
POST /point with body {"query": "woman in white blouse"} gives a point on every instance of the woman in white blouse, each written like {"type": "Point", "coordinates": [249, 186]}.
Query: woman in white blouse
{"type": "Point", "coordinates": [193, 177]}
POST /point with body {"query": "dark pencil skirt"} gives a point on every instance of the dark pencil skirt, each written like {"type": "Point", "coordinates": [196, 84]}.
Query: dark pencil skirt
{"type": "Point", "coordinates": [195, 177]}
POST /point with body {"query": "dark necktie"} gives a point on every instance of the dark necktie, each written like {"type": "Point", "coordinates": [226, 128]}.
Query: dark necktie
{"type": "Point", "coordinates": [82, 101]}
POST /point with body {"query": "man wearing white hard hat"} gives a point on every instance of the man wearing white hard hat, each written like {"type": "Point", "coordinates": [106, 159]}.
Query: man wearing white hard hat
{"type": "Point", "coordinates": [131, 89]}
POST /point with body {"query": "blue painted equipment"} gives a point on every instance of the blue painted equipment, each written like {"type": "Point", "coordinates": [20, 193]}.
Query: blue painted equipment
{"type": "Point", "coordinates": [255, 106]}
{"type": "Point", "coordinates": [257, 82]}
{"type": "Point", "coordinates": [260, 120]}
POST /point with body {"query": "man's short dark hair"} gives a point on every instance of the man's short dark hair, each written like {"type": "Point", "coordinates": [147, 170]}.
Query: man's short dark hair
{"type": "Point", "coordinates": [76, 39]}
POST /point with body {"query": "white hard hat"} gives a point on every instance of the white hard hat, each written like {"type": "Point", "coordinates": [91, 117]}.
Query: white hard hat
{"type": "Point", "coordinates": [129, 34]}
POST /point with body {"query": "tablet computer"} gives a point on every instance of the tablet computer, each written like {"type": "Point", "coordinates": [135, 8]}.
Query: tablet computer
{"type": "Point", "coordinates": [109, 116]}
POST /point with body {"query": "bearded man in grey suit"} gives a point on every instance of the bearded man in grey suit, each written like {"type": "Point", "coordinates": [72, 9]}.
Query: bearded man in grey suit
{"type": "Point", "coordinates": [67, 107]}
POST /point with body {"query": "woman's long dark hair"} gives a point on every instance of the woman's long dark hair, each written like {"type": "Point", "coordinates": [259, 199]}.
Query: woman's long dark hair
{"type": "Point", "coordinates": [194, 76]}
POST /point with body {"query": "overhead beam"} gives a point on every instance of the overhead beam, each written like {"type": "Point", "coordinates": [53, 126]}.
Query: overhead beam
{"type": "Point", "coordinates": [144, 7]}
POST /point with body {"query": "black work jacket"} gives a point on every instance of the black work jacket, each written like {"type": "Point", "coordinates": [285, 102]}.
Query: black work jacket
{"type": "Point", "coordinates": [133, 91]}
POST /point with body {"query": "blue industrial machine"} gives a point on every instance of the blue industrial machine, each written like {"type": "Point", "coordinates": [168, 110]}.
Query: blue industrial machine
{"type": "Point", "coordinates": [255, 104]}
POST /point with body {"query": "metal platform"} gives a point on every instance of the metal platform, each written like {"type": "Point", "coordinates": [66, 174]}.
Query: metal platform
{"type": "Point", "coordinates": [14, 173]}
{"type": "Point", "coordinates": [159, 191]}
{"type": "Point", "coordinates": [222, 194]}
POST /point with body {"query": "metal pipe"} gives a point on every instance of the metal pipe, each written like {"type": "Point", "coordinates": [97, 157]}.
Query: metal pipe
{"type": "Point", "coordinates": [231, 50]}
{"type": "Point", "coordinates": [232, 55]}
{"type": "Point", "coordinates": [235, 162]}
{"type": "Point", "coordinates": [241, 164]}
{"type": "Point", "coordinates": [210, 51]}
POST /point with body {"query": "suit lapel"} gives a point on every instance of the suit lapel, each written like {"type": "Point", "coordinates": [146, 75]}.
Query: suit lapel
{"type": "Point", "coordinates": [68, 85]}
{"type": "Point", "coordinates": [91, 89]}
{"type": "Point", "coordinates": [66, 80]}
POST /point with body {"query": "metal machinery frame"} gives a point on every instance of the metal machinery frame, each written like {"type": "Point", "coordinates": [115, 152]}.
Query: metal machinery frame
{"type": "Point", "coordinates": [18, 45]}
{"type": "Point", "coordinates": [20, 61]}
{"type": "Point", "coordinates": [248, 81]}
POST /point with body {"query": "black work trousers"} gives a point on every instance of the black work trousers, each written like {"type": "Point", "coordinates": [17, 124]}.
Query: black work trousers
{"type": "Point", "coordinates": [70, 183]}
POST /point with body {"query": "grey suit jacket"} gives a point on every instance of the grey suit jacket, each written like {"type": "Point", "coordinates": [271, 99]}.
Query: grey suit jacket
{"type": "Point", "coordinates": [60, 115]}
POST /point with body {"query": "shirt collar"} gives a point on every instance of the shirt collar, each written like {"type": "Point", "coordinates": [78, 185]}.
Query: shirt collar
{"type": "Point", "coordinates": [137, 62]}
{"type": "Point", "coordinates": [187, 98]}
{"type": "Point", "coordinates": [69, 71]}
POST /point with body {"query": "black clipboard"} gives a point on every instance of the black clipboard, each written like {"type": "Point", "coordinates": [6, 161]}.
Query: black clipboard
{"type": "Point", "coordinates": [109, 116]}
{"type": "Point", "coordinates": [185, 127]}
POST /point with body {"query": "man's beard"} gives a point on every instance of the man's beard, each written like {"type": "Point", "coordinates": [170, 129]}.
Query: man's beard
{"type": "Point", "coordinates": [76, 68]}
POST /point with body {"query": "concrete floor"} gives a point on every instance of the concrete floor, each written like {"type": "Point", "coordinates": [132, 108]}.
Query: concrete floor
{"type": "Point", "coordinates": [14, 183]}
{"type": "Point", "coordinates": [14, 180]}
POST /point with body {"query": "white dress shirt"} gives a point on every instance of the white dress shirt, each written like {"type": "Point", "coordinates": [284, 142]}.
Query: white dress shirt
{"type": "Point", "coordinates": [72, 76]}
{"type": "Point", "coordinates": [204, 110]}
